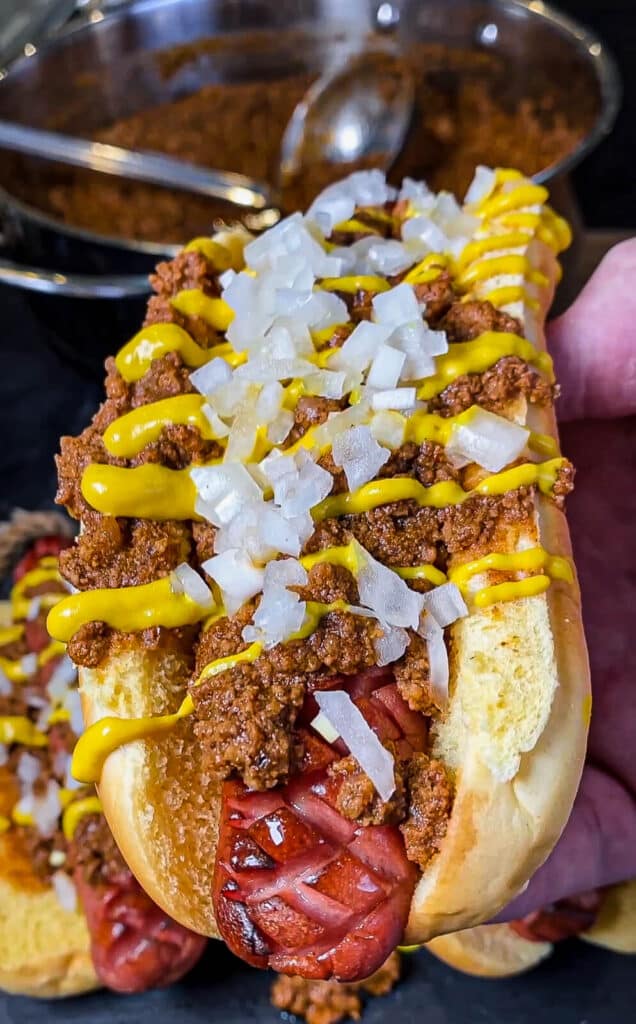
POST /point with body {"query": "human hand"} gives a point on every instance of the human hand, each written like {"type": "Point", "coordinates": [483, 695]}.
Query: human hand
{"type": "Point", "coordinates": [594, 349]}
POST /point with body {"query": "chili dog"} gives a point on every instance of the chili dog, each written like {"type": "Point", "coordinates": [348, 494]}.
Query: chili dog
{"type": "Point", "coordinates": [328, 625]}
{"type": "Point", "coordinates": [604, 917]}
{"type": "Point", "coordinates": [73, 917]}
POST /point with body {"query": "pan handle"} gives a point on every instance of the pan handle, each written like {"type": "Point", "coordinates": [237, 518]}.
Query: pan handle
{"type": "Point", "coordinates": [83, 286]}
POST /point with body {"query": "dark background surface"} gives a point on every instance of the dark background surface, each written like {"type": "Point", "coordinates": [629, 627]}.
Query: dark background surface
{"type": "Point", "coordinates": [41, 396]}
{"type": "Point", "coordinates": [606, 181]}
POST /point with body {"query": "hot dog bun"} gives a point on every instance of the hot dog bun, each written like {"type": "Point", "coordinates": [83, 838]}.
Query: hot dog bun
{"type": "Point", "coordinates": [513, 735]}
{"type": "Point", "coordinates": [615, 926]}
{"type": "Point", "coordinates": [44, 950]}
{"type": "Point", "coordinates": [489, 951]}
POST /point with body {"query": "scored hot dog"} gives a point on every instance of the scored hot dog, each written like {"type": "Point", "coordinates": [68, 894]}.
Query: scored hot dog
{"type": "Point", "coordinates": [604, 917]}
{"type": "Point", "coordinates": [73, 917]}
{"type": "Point", "coordinates": [328, 626]}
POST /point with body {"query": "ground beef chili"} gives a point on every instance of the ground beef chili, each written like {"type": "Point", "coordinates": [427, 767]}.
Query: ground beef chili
{"type": "Point", "coordinates": [430, 791]}
{"type": "Point", "coordinates": [328, 1002]}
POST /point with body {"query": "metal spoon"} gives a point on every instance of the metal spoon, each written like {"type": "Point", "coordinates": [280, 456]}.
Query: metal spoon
{"type": "Point", "coordinates": [360, 110]}
{"type": "Point", "coordinates": [127, 163]}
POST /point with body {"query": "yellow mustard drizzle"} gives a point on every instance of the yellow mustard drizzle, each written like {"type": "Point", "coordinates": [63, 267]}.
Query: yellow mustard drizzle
{"type": "Point", "coordinates": [134, 359]}
{"type": "Point", "coordinates": [347, 557]}
{"type": "Point", "coordinates": [479, 355]}
{"type": "Point", "coordinates": [128, 609]}
{"type": "Point", "coordinates": [217, 255]}
{"type": "Point", "coordinates": [9, 634]}
{"type": "Point", "coordinates": [14, 668]}
{"type": "Point", "coordinates": [20, 729]}
{"type": "Point", "coordinates": [356, 283]}
{"type": "Point", "coordinates": [523, 195]}
{"type": "Point", "coordinates": [108, 734]}
{"type": "Point", "coordinates": [46, 571]}
{"type": "Point", "coordinates": [495, 266]}
{"type": "Point", "coordinates": [491, 243]}
{"type": "Point", "coordinates": [509, 294]}
{"type": "Point", "coordinates": [150, 491]}
{"type": "Point", "coordinates": [552, 567]}
{"type": "Point", "coordinates": [214, 668]}
{"type": "Point", "coordinates": [427, 269]}
{"type": "Point", "coordinates": [129, 434]}
{"type": "Point", "coordinates": [384, 492]}
{"type": "Point", "coordinates": [77, 810]}
{"type": "Point", "coordinates": [5, 824]}
{"type": "Point", "coordinates": [194, 302]}
{"type": "Point", "coordinates": [153, 342]}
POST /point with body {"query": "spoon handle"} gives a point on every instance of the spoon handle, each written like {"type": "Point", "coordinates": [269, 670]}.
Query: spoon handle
{"type": "Point", "coordinates": [124, 163]}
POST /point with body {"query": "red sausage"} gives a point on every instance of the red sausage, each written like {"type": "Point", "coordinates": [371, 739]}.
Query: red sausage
{"type": "Point", "coordinates": [561, 920]}
{"type": "Point", "coordinates": [43, 546]}
{"type": "Point", "coordinates": [134, 945]}
{"type": "Point", "coordinates": [298, 887]}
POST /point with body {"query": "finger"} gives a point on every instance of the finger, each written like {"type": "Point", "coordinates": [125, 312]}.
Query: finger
{"type": "Point", "coordinates": [598, 847]}
{"type": "Point", "coordinates": [594, 342]}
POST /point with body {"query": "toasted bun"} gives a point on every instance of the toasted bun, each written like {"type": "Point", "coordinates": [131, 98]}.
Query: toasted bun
{"type": "Point", "coordinates": [516, 728]}
{"type": "Point", "coordinates": [514, 736]}
{"type": "Point", "coordinates": [160, 808]}
{"type": "Point", "coordinates": [44, 950]}
{"type": "Point", "coordinates": [489, 951]}
{"type": "Point", "coordinates": [615, 926]}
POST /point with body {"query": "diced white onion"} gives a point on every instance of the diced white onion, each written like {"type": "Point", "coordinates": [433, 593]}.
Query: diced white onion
{"type": "Point", "coordinates": [211, 376]}
{"type": "Point", "coordinates": [481, 186]}
{"type": "Point", "coordinates": [445, 603]}
{"type": "Point", "coordinates": [219, 428]}
{"type": "Point", "coordinates": [6, 687]}
{"type": "Point", "coordinates": [338, 201]}
{"type": "Point", "coordinates": [302, 486]}
{"type": "Point", "coordinates": [222, 490]}
{"type": "Point", "coordinates": [362, 345]}
{"type": "Point", "coordinates": [488, 440]}
{"type": "Point", "coordinates": [386, 367]}
{"type": "Point", "coordinates": [64, 675]}
{"type": "Point", "coordinates": [57, 858]}
{"type": "Point", "coordinates": [418, 194]}
{"type": "Point", "coordinates": [45, 809]}
{"type": "Point", "coordinates": [185, 580]}
{"type": "Point", "coordinates": [65, 891]}
{"type": "Point", "coordinates": [391, 645]}
{"type": "Point", "coordinates": [360, 456]}
{"type": "Point", "coordinates": [323, 726]}
{"type": "Point", "coordinates": [374, 759]}
{"type": "Point", "coordinates": [286, 572]}
{"type": "Point", "coordinates": [389, 428]}
{"type": "Point", "coordinates": [29, 664]}
{"type": "Point", "coordinates": [425, 231]}
{"type": "Point", "coordinates": [278, 429]}
{"type": "Point", "coordinates": [437, 656]}
{"type": "Point", "coordinates": [397, 306]}
{"type": "Point", "coordinates": [73, 704]}
{"type": "Point", "coordinates": [326, 383]}
{"type": "Point", "coordinates": [237, 577]}
{"type": "Point", "coordinates": [28, 769]}
{"type": "Point", "coordinates": [279, 614]}
{"type": "Point", "coordinates": [34, 608]}
{"type": "Point", "coordinates": [394, 398]}
{"type": "Point", "coordinates": [385, 592]}
{"type": "Point", "coordinates": [4, 754]}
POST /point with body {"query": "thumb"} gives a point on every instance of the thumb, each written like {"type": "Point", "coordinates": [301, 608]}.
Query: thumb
{"type": "Point", "coordinates": [594, 342]}
{"type": "Point", "coordinates": [597, 848]}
